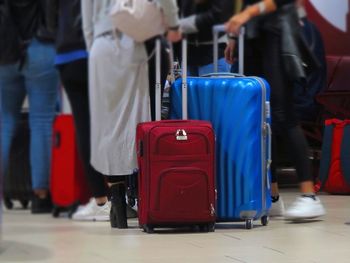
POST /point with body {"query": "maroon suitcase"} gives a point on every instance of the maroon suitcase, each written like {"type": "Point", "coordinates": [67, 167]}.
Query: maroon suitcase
{"type": "Point", "coordinates": [176, 169]}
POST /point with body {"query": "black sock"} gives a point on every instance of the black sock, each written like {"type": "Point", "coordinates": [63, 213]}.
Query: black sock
{"type": "Point", "coordinates": [275, 198]}
{"type": "Point", "coordinates": [313, 196]}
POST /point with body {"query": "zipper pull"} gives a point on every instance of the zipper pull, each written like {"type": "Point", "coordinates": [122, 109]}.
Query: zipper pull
{"type": "Point", "coordinates": [212, 210]}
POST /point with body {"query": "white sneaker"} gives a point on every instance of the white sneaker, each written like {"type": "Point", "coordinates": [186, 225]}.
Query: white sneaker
{"type": "Point", "coordinates": [305, 208]}
{"type": "Point", "coordinates": [277, 208]}
{"type": "Point", "coordinates": [92, 212]}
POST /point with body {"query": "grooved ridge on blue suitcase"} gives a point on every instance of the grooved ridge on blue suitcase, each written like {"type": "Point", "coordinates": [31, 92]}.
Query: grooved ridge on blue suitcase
{"type": "Point", "coordinates": [235, 108]}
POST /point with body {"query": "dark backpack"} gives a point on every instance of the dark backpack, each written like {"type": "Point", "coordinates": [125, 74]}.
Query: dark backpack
{"type": "Point", "coordinates": [305, 91]}
{"type": "Point", "coordinates": [335, 161]}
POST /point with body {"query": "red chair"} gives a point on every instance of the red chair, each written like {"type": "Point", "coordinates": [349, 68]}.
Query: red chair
{"type": "Point", "coordinates": [336, 98]}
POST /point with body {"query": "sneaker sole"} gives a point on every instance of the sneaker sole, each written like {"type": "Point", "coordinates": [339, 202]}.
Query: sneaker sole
{"type": "Point", "coordinates": [92, 219]}
{"type": "Point", "coordinates": [302, 218]}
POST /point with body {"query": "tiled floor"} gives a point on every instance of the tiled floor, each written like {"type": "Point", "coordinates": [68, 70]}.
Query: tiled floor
{"type": "Point", "coordinates": [28, 238]}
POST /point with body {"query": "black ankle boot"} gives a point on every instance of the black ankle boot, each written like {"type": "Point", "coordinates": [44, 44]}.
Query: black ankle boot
{"type": "Point", "coordinates": [41, 205]}
{"type": "Point", "coordinates": [117, 215]}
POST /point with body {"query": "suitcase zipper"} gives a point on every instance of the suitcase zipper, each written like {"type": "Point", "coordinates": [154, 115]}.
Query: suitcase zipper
{"type": "Point", "coordinates": [212, 210]}
{"type": "Point", "coordinates": [264, 112]}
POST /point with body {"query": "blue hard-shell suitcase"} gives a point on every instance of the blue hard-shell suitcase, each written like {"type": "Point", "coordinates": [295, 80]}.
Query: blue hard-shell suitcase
{"type": "Point", "coordinates": [238, 108]}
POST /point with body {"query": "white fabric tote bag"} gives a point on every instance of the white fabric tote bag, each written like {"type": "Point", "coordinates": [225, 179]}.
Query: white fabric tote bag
{"type": "Point", "coordinates": [139, 19]}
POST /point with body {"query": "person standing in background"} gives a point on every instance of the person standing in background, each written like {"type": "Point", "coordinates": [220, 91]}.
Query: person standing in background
{"type": "Point", "coordinates": [119, 97]}
{"type": "Point", "coordinates": [197, 20]}
{"type": "Point", "coordinates": [27, 68]}
{"type": "Point", "coordinates": [273, 50]}
{"type": "Point", "coordinates": [71, 61]}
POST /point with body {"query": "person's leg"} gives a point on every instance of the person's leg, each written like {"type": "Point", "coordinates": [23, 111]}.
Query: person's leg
{"type": "Point", "coordinates": [284, 122]}
{"type": "Point", "coordinates": [102, 81]}
{"type": "Point", "coordinates": [12, 96]}
{"type": "Point", "coordinates": [277, 208]}
{"type": "Point", "coordinates": [75, 81]}
{"type": "Point", "coordinates": [118, 214]}
{"type": "Point", "coordinates": [41, 80]}
{"type": "Point", "coordinates": [253, 66]}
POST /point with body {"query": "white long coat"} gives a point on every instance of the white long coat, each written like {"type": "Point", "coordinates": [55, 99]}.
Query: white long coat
{"type": "Point", "coordinates": [119, 100]}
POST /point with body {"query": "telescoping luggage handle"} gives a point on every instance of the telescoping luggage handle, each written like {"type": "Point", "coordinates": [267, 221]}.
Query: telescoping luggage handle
{"type": "Point", "coordinates": [184, 79]}
{"type": "Point", "coordinates": [158, 80]}
{"type": "Point", "coordinates": [216, 31]}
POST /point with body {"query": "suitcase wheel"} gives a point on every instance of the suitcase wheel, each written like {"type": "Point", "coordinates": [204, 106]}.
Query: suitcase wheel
{"type": "Point", "coordinates": [211, 227]}
{"type": "Point", "coordinates": [207, 228]}
{"type": "Point", "coordinates": [265, 220]}
{"type": "Point", "coordinates": [73, 209]}
{"type": "Point", "coordinates": [71, 212]}
{"type": "Point", "coordinates": [24, 203]}
{"type": "Point", "coordinates": [249, 224]}
{"type": "Point", "coordinates": [56, 211]}
{"type": "Point", "coordinates": [148, 229]}
{"type": "Point", "coordinates": [8, 203]}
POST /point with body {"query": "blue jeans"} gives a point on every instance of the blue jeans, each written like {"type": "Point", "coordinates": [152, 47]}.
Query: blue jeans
{"type": "Point", "coordinates": [39, 80]}
{"type": "Point", "coordinates": [196, 71]}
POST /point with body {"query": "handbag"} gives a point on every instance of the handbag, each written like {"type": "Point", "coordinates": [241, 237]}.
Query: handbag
{"type": "Point", "coordinates": [139, 19]}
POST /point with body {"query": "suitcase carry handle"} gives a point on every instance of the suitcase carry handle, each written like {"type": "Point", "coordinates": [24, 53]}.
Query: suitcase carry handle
{"type": "Point", "coordinates": [269, 154]}
{"type": "Point", "coordinates": [269, 150]}
{"type": "Point", "coordinates": [220, 29]}
{"type": "Point", "coordinates": [223, 74]}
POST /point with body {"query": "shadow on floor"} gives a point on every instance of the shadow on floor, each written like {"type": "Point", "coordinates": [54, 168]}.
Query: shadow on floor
{"type": "Point", "coordinates": [13, 251]}
{"type": "Point", "coordinates": [303, 221]}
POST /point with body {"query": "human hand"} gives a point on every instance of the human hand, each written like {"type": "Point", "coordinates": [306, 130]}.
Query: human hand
{"type": "Point", "coordinates": [174, 36]}
{"type": "Point", "coordinates": [237, 21]}
{"type": "Point", "coordinates": [229, 51]}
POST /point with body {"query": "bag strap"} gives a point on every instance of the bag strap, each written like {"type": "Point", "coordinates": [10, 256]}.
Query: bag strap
{"type": "Point", "coordinates": [345, 153]}
{"type": "Point", "coordinates": [326, 152]}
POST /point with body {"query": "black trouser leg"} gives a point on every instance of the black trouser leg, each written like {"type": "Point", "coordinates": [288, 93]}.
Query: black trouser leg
{"type": "Point", "coordinates": [264, 59]}
{"type": "Point", "coordinates": [74, 77]}
{"type": "Point", "coordinates": [284, 120]}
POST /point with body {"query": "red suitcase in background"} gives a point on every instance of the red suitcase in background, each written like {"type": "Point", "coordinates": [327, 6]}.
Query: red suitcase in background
{"type": "Point", "coordinates": [176, 171]}
{"type": "Point", "coordinates": [68, 183]}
